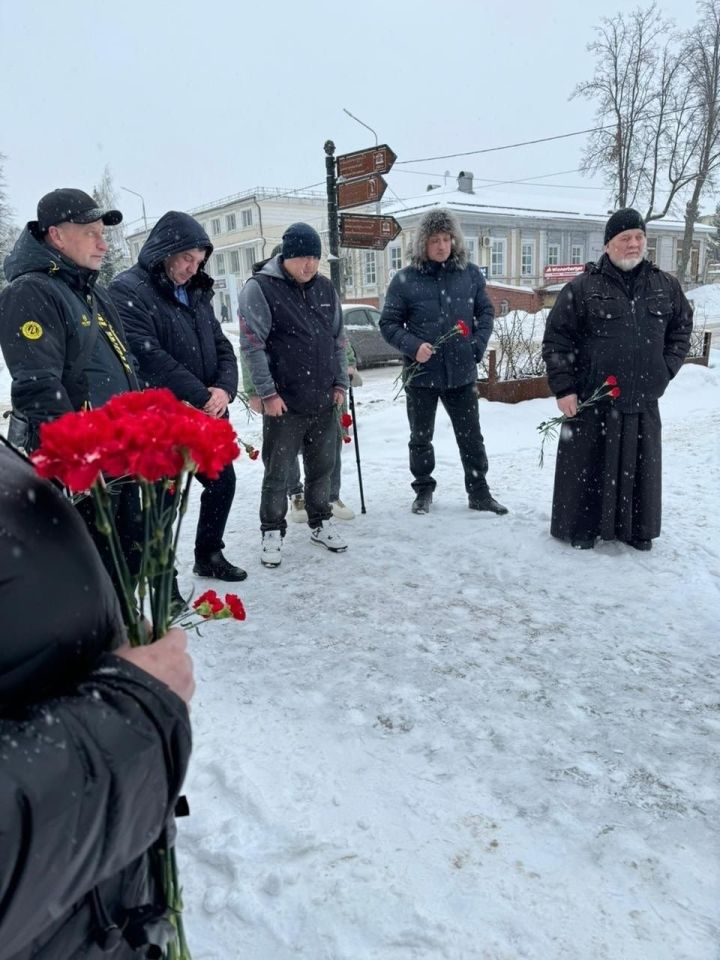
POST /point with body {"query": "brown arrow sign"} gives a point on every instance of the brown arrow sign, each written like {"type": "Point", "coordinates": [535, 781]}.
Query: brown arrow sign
{"type": "Point", "coordinates": [356, 193]}
{"type": "Point", "coordinates": [362, 163]}
{"type": "Point", "coordinates": [367, 232]}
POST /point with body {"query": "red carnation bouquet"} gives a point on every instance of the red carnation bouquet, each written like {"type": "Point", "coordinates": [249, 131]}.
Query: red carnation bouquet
{"type": "Point", "coordinates": [153, 439]}
{"type": "Point", "coordinates": [550, 428]}
{"type": "Point", "coordinates": [407, 374]}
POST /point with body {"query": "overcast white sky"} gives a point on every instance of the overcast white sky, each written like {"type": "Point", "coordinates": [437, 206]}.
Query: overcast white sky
{"type": "Point", "coordinates": [189, 102]}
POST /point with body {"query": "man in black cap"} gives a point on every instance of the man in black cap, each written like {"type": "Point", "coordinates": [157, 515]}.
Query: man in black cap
{"type": "Point", "coordinates": [62, 339]}
{"type": "Point", "coordinates": [625, 319]}
{"type": "Point", "coordinates": [292, 339]}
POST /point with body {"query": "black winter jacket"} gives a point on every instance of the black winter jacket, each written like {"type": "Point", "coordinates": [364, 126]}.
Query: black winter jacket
{"type": "Point", "coordinates": [93, 750]}
{"type": "Point", "coordinates": [45, 320]}
{"type": "Point", "coordinates": [596, 329]}
{"type": "Point", "coordinates": [424, 303]}
{"type": "Point", "coordinates": [292, 338]}
{"type": "Point", "coordinates": [176, 346]}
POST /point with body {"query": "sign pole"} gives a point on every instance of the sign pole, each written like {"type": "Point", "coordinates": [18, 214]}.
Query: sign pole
{"type": "Point", "coordinates": [332, 216]}
{"type": "Point", "coordinates": [335, 277]}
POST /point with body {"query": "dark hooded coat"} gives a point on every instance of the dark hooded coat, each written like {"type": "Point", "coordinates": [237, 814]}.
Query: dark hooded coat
{"type": "Point", "coordinates": [426, 300]}
{"type": "Point", "coordinates": [176, 346]}
{"type": "Point", "coordinates": [45, 321]}
{"type": "Point", "coordinates": [94, 750]}
{"type": "Point", "coordinates": [634, 325]}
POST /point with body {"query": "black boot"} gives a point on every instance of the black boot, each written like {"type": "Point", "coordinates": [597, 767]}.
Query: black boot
{"type": "Point", "coordinates": [487, 503]}
{"type": "Point", "coordinates": [216, 567]}
{"type": "Point", "coordinates": [178, 603]}
{"type": "Point", "coordinates": [421, 503]}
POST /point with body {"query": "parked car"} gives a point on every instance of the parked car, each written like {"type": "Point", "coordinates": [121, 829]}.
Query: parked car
{"type": "Point", "coordinates": [362, 326]}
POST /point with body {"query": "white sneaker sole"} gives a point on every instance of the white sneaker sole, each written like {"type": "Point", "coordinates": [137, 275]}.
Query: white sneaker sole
{"type": "Point", "coordinates": [270, 563]}
{"type": "Point", "coordinates": [328, 547]}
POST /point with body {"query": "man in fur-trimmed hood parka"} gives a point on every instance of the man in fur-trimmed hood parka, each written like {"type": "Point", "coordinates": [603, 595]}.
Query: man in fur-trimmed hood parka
{"type": "Point", "coordinates": [425, 303]}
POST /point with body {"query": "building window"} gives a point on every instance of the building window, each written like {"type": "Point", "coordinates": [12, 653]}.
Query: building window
{"type": "Point", "coordinates": [527, 258]}
{"type": "Point", "coordinates": [504, 308]}
{"type": "Point", "coordinates": [395, 258]}
{"type": "Point", "coordinates": [348, 270]}
{"type": "Point", "coordinates": [497, 258]}
{"type": "Point", "coordinates": [651, 251]}
{"type": "Point", "coordinates": [577, 254]}
{"type": "Point", "coordinates": [246, 218]}
{"type": "Point", "coordinates": [215, 226]}
{"type": "Point", "coordinates": [249, 254]}
{"type": "Point", "coordinates": [370, 271]}
{"type": "Point", "coordinates": [135, 250]}
{"type": "Point", "coordinates": [234, 261]}
{"type": "Point", "coordinates": [553, 254]}
{"type": "Point", "coordinates": [230, 222]}
{"type": "Point", "coordinates": [471, 247]}
{"type": "Point", "coordinates": [219, 264]}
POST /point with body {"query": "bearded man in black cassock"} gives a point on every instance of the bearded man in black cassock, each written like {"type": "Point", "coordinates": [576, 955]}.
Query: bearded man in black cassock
{"type": "Point", "coordinates": [626, 318]}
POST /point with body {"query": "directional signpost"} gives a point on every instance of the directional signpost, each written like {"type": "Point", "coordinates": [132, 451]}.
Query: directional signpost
{"type": "Point", "coordinates": [367, 232]}
{"type": "Point", "coordinates": [358, 181]}
{"type": "Point", "coordinates": [363, 163]}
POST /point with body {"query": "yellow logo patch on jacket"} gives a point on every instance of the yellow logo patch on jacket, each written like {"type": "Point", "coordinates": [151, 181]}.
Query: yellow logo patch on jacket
{"type": "Point", "coordinates": [31, 330]}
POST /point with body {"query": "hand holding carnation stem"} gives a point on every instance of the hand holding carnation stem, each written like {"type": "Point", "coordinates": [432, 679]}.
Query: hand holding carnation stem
{"type": "Point", "coordinates": [155, 440]}
{"type": "Point", "coordinates": [425, 352]}
{"type": "Point", "coordinates": [570, 409]}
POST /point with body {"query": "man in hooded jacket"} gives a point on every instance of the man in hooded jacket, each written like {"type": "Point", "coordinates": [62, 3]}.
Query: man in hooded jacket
{"type": "Point", "coordinates": [424, 303]}
{"type": "Point", "coordinates": [165, 303]}
{"type": "Point", "coordinates": [622, 317]}
{"type": "Point", "coordinates": [63, 341]}
{"type": "Point", "coordinates": [96, 741]}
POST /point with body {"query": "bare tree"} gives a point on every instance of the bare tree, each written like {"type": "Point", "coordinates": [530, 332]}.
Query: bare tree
{"type": "Point", "coordinates": [702, 75]}
{"type": "Point", "coordinates": [116, 258]}
{"type": "Point", "coordinates": [641, 143]}
{"type": "Point", "coordinates": [8, 230]}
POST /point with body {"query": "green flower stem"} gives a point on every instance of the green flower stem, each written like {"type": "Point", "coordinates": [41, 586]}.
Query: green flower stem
{"type": "Point", "coordinates": [106, 526]}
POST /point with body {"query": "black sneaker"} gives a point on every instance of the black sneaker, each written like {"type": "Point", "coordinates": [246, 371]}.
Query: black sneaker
{"type": "Point", "coordinates": [488, 504]}
{"type": "Point", "coordinates": [216, 567]}
{"type": "Point", "coordinates": [421, 503]}
{"type": "Point", "coordinates": [583, 544]}
{"type": "Point", "coordinates": [641, 544]}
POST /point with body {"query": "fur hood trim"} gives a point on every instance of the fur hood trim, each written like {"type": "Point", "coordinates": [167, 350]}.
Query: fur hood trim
{"type": "Point", "coordinates": [439, 220]}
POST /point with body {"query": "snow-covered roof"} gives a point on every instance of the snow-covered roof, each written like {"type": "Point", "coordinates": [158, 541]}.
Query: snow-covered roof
{"type": "Point", "coordinates": [585, 208]}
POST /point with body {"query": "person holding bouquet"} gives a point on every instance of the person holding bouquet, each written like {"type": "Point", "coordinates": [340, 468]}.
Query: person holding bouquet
{"type": "Point", "coordinates": [165, 303]}
{"type": "Point", "coordinates": [438, 314]}
{"type": "Point", "coordinates": [96, 741]}
{"type": "Point", "coordinates": [626, 323]}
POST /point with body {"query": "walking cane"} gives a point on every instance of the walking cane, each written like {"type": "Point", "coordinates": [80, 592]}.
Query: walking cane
{"type": "Point", "coordinates": [357, 448]}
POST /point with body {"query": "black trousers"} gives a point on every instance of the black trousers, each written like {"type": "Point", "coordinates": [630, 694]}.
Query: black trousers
{"type": "Point", "coordinates": [461, 405]}
{"type": "Point", "coordinates": [215, 503]}
{"type": "Point", "coordinates": [313, 435]}
{"type": "Point", "coordinates": [126, 512]}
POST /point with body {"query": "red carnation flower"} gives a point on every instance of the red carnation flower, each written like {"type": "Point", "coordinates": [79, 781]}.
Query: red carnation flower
{"type": "Point", "coordinates": [463, 328]}
{"type": "Point", "coordinates": [615, 392]}
{"type": "Point", "coordinates": [347, 439]}
{"type": "Point", "coordinates": [253, 453]}
{"type": "Point", "coordinates": [611, 381]}
{"type": "Point", "coordinates": [235, 606]}
{"type": "Point", "coordinates": [346, 421]}
{"type": "Point", "coordinates": [208, 604]}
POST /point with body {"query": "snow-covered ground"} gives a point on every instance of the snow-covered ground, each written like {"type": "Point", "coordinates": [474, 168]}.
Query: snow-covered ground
{"type": "Point", "coordinates": [462, 739]}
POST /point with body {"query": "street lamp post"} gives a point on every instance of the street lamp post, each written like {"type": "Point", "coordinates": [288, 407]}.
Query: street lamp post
{"type": "Point", "coordinates": [142, 201]}
{"type": "Point", "coordinates": [379, 260]}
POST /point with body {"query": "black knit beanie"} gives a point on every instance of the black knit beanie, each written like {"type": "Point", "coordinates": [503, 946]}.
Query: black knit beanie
{"type": "Point", "coordinates": [626, 219]}
{"type": "Point", "coordinates": [300, 240]}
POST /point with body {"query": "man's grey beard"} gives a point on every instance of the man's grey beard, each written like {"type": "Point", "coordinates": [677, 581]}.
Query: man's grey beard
{"type": "Point", "coordinates": [629, 263]}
